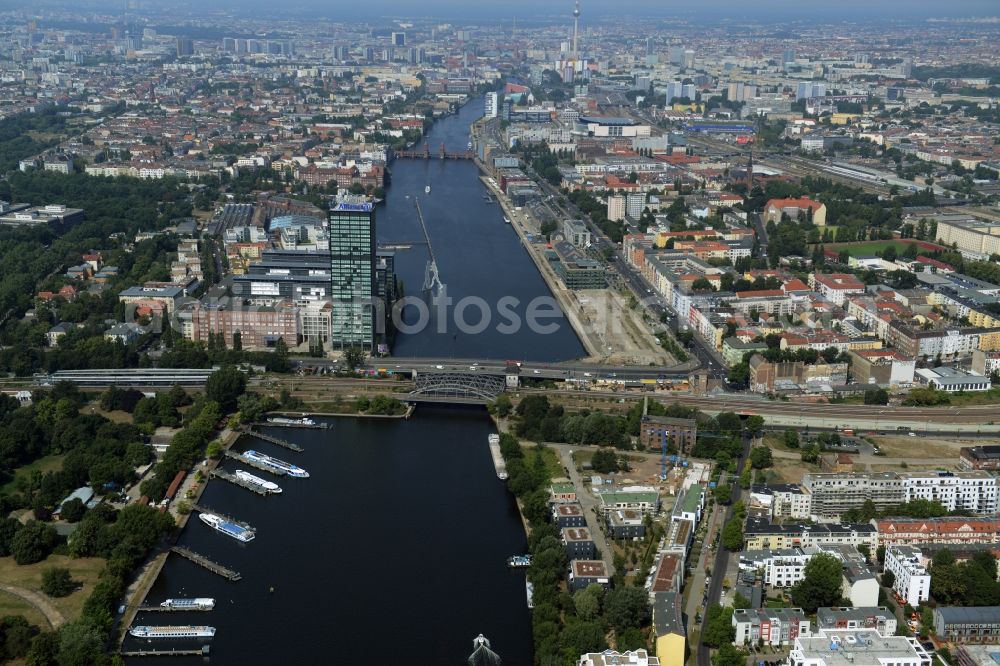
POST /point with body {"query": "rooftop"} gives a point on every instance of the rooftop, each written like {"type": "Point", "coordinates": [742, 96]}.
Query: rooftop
{"type": "Point", "coordinates": [858, 647]}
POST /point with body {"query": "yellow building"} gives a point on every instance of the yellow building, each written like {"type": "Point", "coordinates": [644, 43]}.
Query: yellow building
{"type": "Point", "coordinates": [671, 639]}
{"type": "Point", "coordinates": [989, 340]}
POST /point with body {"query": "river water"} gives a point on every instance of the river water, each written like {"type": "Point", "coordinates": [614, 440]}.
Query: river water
{"type": "Point", "coordinates": [477, 254]}
{"type": "Point", "coordinates": [392, 552]}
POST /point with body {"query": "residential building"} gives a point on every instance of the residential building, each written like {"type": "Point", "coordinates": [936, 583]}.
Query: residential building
{"type": "Point", "coordinates": [985, 458]}
{"type": "Point", "coordinates": [168, 296]}
{"type": "Point", "coordinates": [668, 573]}
{"type": "Point", "coordinates": [912, 582]}
{"type": "Point", "coordinates": [985, 362]}
{"type": "Point", "coordinates": [644, 499]}
{"type": "Point", "coordinates": [764, 535]}
{"type": "Point", "coordinates": [678, 434]}
{"type": "Point", "coordinates": [775, 627]}
{"type": "Point", "coordinates": [793, 208]}
{"type": "Point", "coordinates": [944, 530]}
{"type": "Point", "coordinates": [668, 624]}
{"type": "Point", "coordinates": [568, 515]}
{"type": "Point", "coordinates": [625, 524]}
{"type": "Point", "coordinates": [783, 501]}
{"type": "Point", "coordinates": [588, 572]}
{"type": "Point", "coordinates": [856, 647]}
{"type": "Point", "coordinates": [883, 367]}
{"type": "Point", "coordinates": [968, 624]}
{"type": "Point", "coordinates": [615, 658]}
{"type": "Point", "coordinates": [870, 617]}
{"type": "Point", "coordinates": [835, 493]}
{"type": "Point", "coordinates": [616, 208]}
{"type": "Point", "coordinates": [579, 543]}
{"type": "Point", "coordinates": [836, 287]}
{"type": "Point", "coordinates": [352, 274]}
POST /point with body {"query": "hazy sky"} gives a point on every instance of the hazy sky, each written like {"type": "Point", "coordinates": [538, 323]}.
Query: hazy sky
{"type": "Point", "coordinates": [773, 8]}
{"type": "Point", "coordinates": [526, 10]}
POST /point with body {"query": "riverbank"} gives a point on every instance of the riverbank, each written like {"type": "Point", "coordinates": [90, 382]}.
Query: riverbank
{"type": "Point", "coordinates": [555, 285]}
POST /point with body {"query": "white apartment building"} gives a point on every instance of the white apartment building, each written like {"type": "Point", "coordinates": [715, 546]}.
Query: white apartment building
{"type": "Point", "coordinates": [974, 491]}
{"type": "Point", "coordinates": [912, 582]}
{"type": "Point", "coordinates": [856, 647]}
{"type": "Point", "coordinates": [835, 493]}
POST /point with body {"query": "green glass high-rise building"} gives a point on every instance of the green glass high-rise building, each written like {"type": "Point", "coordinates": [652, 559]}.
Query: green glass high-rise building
{"type": "Point", "coordinates": [352, 274]}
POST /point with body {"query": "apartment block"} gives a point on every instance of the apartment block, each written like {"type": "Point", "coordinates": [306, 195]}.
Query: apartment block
{"type": "Point", "coordinates": [912, 582]}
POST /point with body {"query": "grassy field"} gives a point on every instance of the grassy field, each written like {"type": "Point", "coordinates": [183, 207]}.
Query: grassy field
{"type": "Point", "coordinates": [43, 465]}
{"type": "Point", "coordinates": [83, 570]}
{"type": "Point", "coordinates": [552, 464]}
{"type": "Point", "coordinates": [990, 397]}
{"type": "Point", "coordinates": [11, 605]}
{"type": "Point", "coordinates": [870, 248]}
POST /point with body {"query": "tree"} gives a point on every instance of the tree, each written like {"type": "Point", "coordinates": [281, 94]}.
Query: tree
{"type": "Point", "coordinates": [760, 457]}
{"type": "Point", "coordinates": [728, 655]}
{"type": "Point", "coordinates": [502, 405]}
{"type": "Point", "coordinates": [876, 397]}
{"type": "Point", "coordinates": [604, 461]}
{"type": "Point", "coordinates": [57, 582]}
{"type": "Point", "coordinates": [626, 607]}
{"type": "Point", "coordinates": [587, 602]}
{"type": "Point", "coordinates": [33, 542]}
{"type": "Point", "coordinates": [792, 439]}
{"type": "Point", "coordinates": [719, 628]}
{"type": "Point", "coordinates": [810, 454]}
{"type": "Point", "coordinates": [224, 386]}
{"type": "Point", "coordinates": [73, 510]}
{"type": "Point", "coordinates": [755, 425]}
{"type": "Point", "coordinates": [81, 643]}
{"type": "Point", "coordinates": [583, 637]}
{"type": "Point", "coordinates": [723, 493]}
{"type": "Point", "coordinates": [732, 535]}
{"type": "Point", "coordinates": [820, 584]}
{"type": "Point", "coordinates": [354, 358]}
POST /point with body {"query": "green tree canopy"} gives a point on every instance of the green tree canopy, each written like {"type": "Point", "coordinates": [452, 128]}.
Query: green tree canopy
{"type": "Point", "coordinates": [820, 584]}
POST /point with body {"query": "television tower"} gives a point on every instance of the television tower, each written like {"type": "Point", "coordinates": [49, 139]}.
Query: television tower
{"type": "Point", "coordinates": [576, 28]}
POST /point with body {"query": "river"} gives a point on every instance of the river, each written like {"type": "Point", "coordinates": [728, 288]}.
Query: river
{"type": "Point", "coordinates": [392, 552]}
{"type": "Point", "coordinates": [478, 255]}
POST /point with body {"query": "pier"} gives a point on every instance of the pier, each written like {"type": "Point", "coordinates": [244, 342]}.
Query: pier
{"type": "Point", "coordinates": [277, 441]}
{"type": "Point", "coordinates": [237, 481]}
{"type": "Point", "coordinates": [253, 463]}
{"type": "Point", "coordinates": [203, 561]}
{"type": "Point", "coordinates": [205, 509]}
{"type": "Point", "coordinates": [203, 651]}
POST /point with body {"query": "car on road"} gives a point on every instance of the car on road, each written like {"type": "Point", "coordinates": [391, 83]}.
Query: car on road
{"type": "Point", "coordinates": [912, 434]}
{"type": "Point", "coordinates": [439, 367]}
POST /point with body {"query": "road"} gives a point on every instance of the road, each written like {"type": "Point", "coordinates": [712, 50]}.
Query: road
{"type": "Point", "coordinates": [38, 602]}
{"type": "Point", "coordinates": [587, 501]}
{"type": "Point", "coordinates": [722, 556]}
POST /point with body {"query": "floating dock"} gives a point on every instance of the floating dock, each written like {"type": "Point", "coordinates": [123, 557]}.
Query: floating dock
{"type": "Point", "coordinates": [498, 461]}
{"type": "Point", "coordinates": [203, 651]}
{"type": "Point", "coordinates": [277, 441]}
{"type": "Point", "coordinates": [254, 463]}
{"type": "Point", "coordinates": [203, 561]}
{"type": "Point", "coordinates": [204, 509]}
{"type": "Point", "coordinates": [237, 481]}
